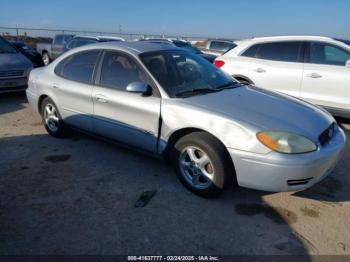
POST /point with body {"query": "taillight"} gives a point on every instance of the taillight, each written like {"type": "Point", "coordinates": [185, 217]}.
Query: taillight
{"type": "Point", "coordinates": [219, 63]}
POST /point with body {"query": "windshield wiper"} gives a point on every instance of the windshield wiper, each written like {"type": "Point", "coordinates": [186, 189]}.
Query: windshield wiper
{"type": "Point", "coordinates": [196, 91]}
{"type": "Point", "coordinates": [229, 85]}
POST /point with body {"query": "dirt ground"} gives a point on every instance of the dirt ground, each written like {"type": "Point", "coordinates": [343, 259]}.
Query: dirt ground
{"type": "Point", "coordinates": [77, 196]}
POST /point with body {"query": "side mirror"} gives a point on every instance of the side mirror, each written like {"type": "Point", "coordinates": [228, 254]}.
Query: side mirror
{"type": "Point", "coordinates": [138, 87]}
{"type": "Point", "coordinates": [347, 64]}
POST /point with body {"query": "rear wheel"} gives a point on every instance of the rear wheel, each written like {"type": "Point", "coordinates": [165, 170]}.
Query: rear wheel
{"type": "Point", "coordinates": [52, 119]}
{"type": "Point", "coordinates": [46, 58]}
{"type": "Point", "coordinates": [200, 161]}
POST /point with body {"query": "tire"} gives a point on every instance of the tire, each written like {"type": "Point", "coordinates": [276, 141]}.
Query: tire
{"type": "Point", "coordinates": [52, 119]}
{"type": "Point", "coordinates": [46, 58]}
{"type": "Point", "coordinates": [206, 173]}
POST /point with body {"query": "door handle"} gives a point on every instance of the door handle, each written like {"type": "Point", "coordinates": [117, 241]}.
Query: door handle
{"type": "Point", "coordinates": [54, 85]}
{"type": "Point", "coordinates": [101, 98]}
{"type": "Point", "coordinates": [260, 70]}
{"type": "Point", "coordinates": [314, 75]}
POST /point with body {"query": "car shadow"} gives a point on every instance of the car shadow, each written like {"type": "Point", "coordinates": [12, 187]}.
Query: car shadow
{"type": "Point", "coordinates": [77, 196]}
{"type": "Point", "coordinates": [12, 102]}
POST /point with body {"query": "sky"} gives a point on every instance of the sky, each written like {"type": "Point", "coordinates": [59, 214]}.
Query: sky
{"type": "Point", "coordinates": [220, 18]}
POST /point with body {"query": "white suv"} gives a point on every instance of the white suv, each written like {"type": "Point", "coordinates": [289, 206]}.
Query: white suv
{"type": "Point", "coordinates": [314, 68]}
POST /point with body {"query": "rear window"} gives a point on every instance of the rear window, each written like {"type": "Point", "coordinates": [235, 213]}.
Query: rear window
{"type": "Point", "coordinates": [78, 67]}
{"type": "Point", "coordinates": [279, 51]}
{"type": "Point", "coordinates": [82, 41]}
{"type": "Point", "coordinates": [221, 46]}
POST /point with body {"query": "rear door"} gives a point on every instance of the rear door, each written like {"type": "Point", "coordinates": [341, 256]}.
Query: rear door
{"type": "Point", "coordinates": [131, 118]}
{"type": "Point", "coordinates": [73, 88]}
{"type": "Point", "coordinates": [326, 78]}
{"type": "Point", "coordinates": [278, 66]}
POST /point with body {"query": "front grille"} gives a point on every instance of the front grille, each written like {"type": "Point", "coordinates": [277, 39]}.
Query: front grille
{"type": "Point", "coordinates": [327, 135]}
{"type": "Point", "coordinates": [11, 73]}
{"type": "Point", "coordinates": [12, 89]}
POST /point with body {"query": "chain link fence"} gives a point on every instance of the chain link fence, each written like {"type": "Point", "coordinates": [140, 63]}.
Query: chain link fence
{"type": "Point", "coordinates": [36, 35]}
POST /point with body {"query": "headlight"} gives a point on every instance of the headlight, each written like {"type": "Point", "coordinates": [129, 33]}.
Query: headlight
{"type": "Point", "coordinates": [284, 142]}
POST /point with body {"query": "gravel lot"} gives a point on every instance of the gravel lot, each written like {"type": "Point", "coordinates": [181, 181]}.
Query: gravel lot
{"type": "Point", "coordinates": [77, 196]}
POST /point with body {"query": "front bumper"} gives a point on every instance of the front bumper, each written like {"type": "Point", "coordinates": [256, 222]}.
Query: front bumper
{"type": "Point", "coordinates": [285, 172]}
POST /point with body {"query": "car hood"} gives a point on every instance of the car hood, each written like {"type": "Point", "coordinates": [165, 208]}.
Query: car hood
{"type": "Point", "coordinates": [14, 61]}
{"type": "Point", "coordinates": [265, 110]}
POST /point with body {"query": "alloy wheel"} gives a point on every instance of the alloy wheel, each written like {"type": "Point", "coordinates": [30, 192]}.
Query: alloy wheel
{"type": "Point", "coordinates": [196, 167]}
{"type": "Point", "coordinates": [51, 117]}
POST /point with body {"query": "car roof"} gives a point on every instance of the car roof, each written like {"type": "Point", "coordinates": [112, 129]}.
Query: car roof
{"type": "Point", "coordinates": [246, 43]}
{"type": "Point", "coordinates": [98, 37]}
{"type": "Point", "coordinates": [286, 38]}
{"type": "Point", "coordinates": [134, 47]}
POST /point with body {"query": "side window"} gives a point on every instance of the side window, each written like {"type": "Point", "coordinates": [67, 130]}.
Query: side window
{"type": "Point", "coordinates": [78, 67]}
{"type": "Point", "coordinates": [328, 54]}
{"type": "Point", "coordinates": [280, 51]}
{"type": "Point", "coordinates": [118, 70]}
{"type": "Point", "coordinates": [251, 51]}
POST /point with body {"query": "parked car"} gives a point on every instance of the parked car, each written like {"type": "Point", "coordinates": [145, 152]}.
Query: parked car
{"type": "Point", "coordinates": [218, 47]}
{"type": "Point", "coordinates": [314, 68]}
{"type": "Point", "coordinates": [184, 45]}
{"type": "Point", "coordinates": [14, 68]}
{"type": "Point", "coordinates": [85, 40]}
{"type": "Point", "coordinates": [30, 53]}
{"type": "Point", "coordinates": [171, 103]}
{"type": "Point", "coordinates": [50, 51]}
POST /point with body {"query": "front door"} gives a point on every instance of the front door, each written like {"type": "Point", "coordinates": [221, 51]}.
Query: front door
{"type": "Point", "coordinates": [131, 118]}
{"type": "Point", "coordinates": [326, 78]}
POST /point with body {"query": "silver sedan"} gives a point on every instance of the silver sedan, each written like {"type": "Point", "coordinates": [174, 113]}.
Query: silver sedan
{"type": "Point", "coordinates": [176, 105]}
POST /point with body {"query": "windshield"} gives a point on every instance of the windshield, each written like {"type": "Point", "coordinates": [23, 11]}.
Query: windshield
{"type": "Point", "coordinates": [6, 47]}
{"type": "Point", "coordinates": [180, 72]}
{"type": "Point", "coordinates": [188, 47]}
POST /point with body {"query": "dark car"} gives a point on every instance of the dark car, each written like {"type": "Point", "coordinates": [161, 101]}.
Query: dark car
{"type": "Point", "coordinates": [85, 40]}
{"type": "Point", "coordinates": [184, 45]}
{"type": "Point", "coordinates": [30, 53]}
{"type": "Point", "coordinates": [14, 68]}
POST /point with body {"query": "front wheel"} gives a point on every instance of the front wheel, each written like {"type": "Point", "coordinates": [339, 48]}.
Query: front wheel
{"type": "Point", "coordinates": [52, 119]}
{"type": "Point", "coordinates": [201, 164]}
